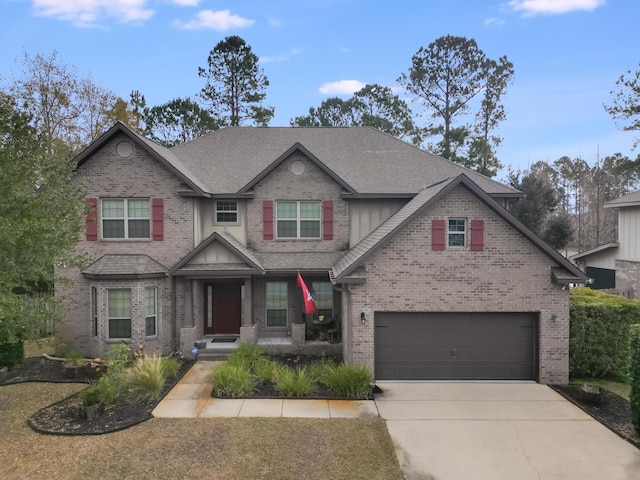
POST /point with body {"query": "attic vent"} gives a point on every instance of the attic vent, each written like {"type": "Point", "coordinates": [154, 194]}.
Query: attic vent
{"type": "Point", "coordinates": [124, 149]}
{"type": "Point", "coordinates": [297, 167]}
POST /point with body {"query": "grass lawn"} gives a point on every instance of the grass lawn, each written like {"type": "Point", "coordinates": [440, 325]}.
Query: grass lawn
{"type": "Point", "coordinates": [215, 448]}
{"type": "Point", "coordinates": [619, 388]}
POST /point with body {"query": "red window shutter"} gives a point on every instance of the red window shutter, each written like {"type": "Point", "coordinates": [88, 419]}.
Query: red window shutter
{"type": "Point", "coordinates": [157, 213]}
{"type": "Point", "coordinates": [327, 220]}
{"type": "Point", "coordinates": [267, 219]}
{"type": "Point", "coordinates": [438, 235]}
{"type": "Point", "coordinates": [477, 235]}
{"type": "Point", "coordinates": [92, 219]}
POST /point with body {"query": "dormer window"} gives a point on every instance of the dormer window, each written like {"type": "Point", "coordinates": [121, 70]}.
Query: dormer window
{"type": "Point", "coordinates": [226, 212]}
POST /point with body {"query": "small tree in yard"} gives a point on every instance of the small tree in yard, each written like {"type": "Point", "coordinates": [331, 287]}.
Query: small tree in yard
{"type": "Point", "coordinates": [41, 214]}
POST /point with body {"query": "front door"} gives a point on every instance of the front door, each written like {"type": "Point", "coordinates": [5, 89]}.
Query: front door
{"type": "Point", "coordinates": [222, 308]}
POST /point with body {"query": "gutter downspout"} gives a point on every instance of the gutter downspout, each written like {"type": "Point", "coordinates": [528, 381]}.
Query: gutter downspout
{"type": "Point", "coordinates": [346, 324]}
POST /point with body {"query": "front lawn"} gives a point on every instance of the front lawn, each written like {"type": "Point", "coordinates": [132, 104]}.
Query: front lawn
{"type": "Point", "coordinates": [214, 448]}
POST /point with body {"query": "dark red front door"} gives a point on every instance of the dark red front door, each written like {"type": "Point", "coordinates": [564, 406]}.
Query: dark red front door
{"type": "Point", "coordinates": [222, 313]}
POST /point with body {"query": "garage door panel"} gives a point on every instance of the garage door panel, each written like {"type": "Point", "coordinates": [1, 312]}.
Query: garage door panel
{"type": "Point", "coordinates": [443, 346]}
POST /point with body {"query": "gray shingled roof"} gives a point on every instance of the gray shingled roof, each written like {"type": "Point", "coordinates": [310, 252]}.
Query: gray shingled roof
{"type": "Point", "coordinates": [378, 237]}
{"type": "Point", "coordinates": [370, 161]}
{"type": "Point", "coordinates": [138, 266]}
{"type": "Point", "coordinates": [630, 200]}
{"type": "Point", "coordinates": [229, 241]}
{"type": "Point", "coordinates": [291, 262]}
{"type": "Point", "coordinates": [384, 231]}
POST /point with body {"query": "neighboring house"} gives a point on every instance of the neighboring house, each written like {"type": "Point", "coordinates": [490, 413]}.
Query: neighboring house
{"type": "Point", "coordinates": [415, 263]}
{"type": "Point", "coordinates": [615, 267]}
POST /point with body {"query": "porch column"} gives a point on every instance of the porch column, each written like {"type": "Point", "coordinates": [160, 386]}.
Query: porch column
{"type": "Point", "coordinates": [247, 303]}
{"type": "Point", "coordinates": [188, 304]}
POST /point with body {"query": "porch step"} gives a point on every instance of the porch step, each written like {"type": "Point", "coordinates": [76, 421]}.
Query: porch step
{"type": "Point", "coordinates": [214, 355]}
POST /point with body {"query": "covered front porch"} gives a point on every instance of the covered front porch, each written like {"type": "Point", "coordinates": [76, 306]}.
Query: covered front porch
{"type": "Point", "coordinates": [226, 294]}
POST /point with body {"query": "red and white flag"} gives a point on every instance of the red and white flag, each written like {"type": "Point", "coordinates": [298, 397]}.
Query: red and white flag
{"type": "Point", "coordinates": [309, 304]}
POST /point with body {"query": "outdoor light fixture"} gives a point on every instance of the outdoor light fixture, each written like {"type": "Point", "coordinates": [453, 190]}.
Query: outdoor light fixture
{"type": "Point", "coordinates": [362, 317]}
{"type": "Point", "coordinates": [554, 318]}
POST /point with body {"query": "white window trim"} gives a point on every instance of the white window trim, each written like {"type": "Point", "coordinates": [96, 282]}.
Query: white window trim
{"type": "Point", "coordinates": [286, 309]}
{"type": "Point", "coordinates": [464, 233]}
{"type": "Point", "coordinates": [298, 220]}
{"type": "Point", "coordinates": [215, 212]}
{"type": "Point", "coordinates": [155, 311]}
{"type": "Point", "coordinates": [109, 318]}
{"type": "Point", "coordinates": [125, 219]}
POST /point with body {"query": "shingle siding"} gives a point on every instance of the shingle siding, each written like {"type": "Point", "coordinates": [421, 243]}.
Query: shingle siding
{"type": "Point", "coordinates": [509, 275]}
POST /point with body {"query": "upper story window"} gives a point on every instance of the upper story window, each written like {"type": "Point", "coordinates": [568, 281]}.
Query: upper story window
{"type": "Point", "coordinates": [456, 232]}
{"type": "Point", "coordinates": [125, 218]}
{"type": "Point", "coordinates": [226, 212]}
{"type": "Point", "coordinates": [298, 219]}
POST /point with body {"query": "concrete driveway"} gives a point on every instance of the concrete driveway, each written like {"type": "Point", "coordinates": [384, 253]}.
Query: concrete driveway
{"type": "Point", "coordinates": [474, 431]}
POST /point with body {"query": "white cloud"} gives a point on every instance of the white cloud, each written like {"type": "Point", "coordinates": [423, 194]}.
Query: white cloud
{"type": "Point", "coordinates": [185, 3]}
{"type": "Point", "coordinates": [220, 20]}
{"type": "Point", "coordinates": [552, 7]}
{"type": "Point", "coordinates": [343, 87]}
{"type": "Point", "coordinates": [89, 13]}
{"type": "Point", "coordinates": [493, 21]}
{"type": "Point", "coordinates": [274, 21]}
{"type": "Point", "coordinates": [283, 57]}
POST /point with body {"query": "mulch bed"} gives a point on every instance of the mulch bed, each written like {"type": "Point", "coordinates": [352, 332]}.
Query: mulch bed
{"type": "Point", "coordinates": [613, 411]}
{"type": "Point", "coordinates": [63, 417]}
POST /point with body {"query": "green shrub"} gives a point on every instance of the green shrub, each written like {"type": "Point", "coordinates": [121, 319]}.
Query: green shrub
{"type": "Point", "coordinates": [265, 370]}
{"type": "Point", "coordinates": [112, 386]}
{"type": "Point", "coordinates": [349, 381]}
{"type": "Point", "coordinates": [634, 373]}
{"type": "Point", "coordinates": [293, 382]}
{"type": "Point", "coordinates": [171, 366]}
{"type": "Point", "coordinates": [599, 333]}
{"type": "Point", "coordinates": [90, 395]}
{"type": "Point", "coordinates": [11, 352]}
{"type": "Point", "coordinates": [119, 354]}
{"type": "Point", "coordinates": [318, 369]}
{"type": "Point", "coordinates": [146, 377]}
{"type": "Point", "coordinates": [232, 381]}
{"type": "Point", "coordinates": [247, 355]}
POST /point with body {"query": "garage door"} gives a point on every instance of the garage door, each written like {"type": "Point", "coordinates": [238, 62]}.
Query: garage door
{"type": "Point", "coordinates": [455, 346]}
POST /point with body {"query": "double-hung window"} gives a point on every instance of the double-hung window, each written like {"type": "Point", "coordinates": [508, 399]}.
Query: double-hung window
{"type": "Point", "coordinates": [125, 218]}
{"type": "Point", "coordinates": [277, 304]}
{"type": "Point", "coordinates": [456, 232]}
{"type": "Point", "coordinates": [150, 311]}
{"type": "Point", "coordinates": [226, 212]}
{"type": "Point", "coordinates": [298, 219]}
{"type": "Point", "coordinates": [323, 298]}
{"type": "Point", "coordinates": [119, 308]}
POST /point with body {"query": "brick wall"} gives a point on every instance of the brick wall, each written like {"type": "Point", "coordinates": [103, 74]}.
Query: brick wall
{"type": "Point", "coordinates": [107, 174]}
{"type": "Point", "coordinates": [627, 278]}
{"type": "Point", "coordinates": [313, 184]}
{"type": "Point", "coordinates": [509, 275]}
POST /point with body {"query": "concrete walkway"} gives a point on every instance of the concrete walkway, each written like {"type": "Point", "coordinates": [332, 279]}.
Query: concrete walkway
{"type": "Point", "coordinates": [191, 397]}
{"type": "Point", "coordinates": [450, 431]}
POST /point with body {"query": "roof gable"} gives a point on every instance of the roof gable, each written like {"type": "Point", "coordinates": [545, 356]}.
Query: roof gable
{"type": "Point", "coordinates": [163, 155]}
{"type": "Point", "coordinates": [297, 147]}
{"type": "Point", "coordinates": [356, 256]}
{"type": "Point", "coordinates": [196, 261]}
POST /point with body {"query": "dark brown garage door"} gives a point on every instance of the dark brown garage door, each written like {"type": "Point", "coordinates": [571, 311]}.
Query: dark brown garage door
{"type": "Point", "coordinates": [455, 346]}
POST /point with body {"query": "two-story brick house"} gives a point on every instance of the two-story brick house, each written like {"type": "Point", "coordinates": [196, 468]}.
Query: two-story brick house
{"type": "Point", "coordinates": [415, 263]}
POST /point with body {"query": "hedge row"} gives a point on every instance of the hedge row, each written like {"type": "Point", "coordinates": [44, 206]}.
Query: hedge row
{"type": "Point", "coordinates": [634, 372]}
{"type": "Point", "coordinates": [599, 333]}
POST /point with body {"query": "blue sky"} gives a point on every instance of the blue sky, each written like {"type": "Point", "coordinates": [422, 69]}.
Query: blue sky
{"type": "Point", "coordinates": [567, 54]}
